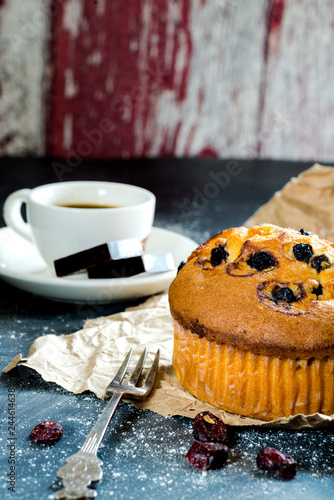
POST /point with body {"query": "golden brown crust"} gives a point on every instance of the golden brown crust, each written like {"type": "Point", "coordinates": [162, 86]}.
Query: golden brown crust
{"type": "Point", "coordinates": [283, 310]}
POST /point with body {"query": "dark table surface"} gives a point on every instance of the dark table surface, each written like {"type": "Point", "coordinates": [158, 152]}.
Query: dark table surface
{"type": "Point", "coordinates": [143, 453]}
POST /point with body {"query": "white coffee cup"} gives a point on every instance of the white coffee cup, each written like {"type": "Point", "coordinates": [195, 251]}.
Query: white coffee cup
{"type": "Point", "coordinates": [58, 225]}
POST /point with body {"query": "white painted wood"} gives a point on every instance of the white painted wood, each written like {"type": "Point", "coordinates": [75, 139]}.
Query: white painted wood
{"type": "Point", "coordinates": [298, 117]}
{"type": "Point", "coordinates": [23, 35]}
{"type": "Point", "coordinates": [236, 103]}
{"type": "Point", "coordinates": [221, 105]}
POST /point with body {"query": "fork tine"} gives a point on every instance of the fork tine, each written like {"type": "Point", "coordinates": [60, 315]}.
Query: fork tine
{"type": "Point", "coordinates": [149, 382]}
{"type": "Point", "coordinates": [122, 370]}
{"type": "Point", "coordinates": [138, 369]}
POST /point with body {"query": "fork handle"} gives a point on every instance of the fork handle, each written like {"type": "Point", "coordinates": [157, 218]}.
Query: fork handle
{"type": "Point", "coordinates": [97, 433]}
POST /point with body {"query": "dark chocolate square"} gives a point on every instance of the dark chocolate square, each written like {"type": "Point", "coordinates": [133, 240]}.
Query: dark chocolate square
{"type": "Point", "coordinates": [122, 268]}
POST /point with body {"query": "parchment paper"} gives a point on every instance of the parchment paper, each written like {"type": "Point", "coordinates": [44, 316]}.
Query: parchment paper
{"type": "Point", "coordinates": [89, 358]}
{"type": "Point", "coordinates": [306, 201]}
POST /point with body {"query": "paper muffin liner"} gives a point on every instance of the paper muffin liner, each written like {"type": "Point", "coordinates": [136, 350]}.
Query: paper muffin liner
{"type": "Point", "coordinates": [262, 387]}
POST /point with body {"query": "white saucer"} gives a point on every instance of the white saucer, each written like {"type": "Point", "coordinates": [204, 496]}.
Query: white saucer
{"type": "Point", "coordinates": [22, 267]}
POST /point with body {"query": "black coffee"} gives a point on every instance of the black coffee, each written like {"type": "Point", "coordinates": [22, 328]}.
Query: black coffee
{"type": "Point", "coordinates": [85, 205]}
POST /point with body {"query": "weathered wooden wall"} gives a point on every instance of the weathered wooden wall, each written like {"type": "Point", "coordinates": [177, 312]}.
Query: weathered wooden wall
{"type": "Point", "coordinates": [116, 78]}
{"type": "Point", "coordinates": [23, 39]}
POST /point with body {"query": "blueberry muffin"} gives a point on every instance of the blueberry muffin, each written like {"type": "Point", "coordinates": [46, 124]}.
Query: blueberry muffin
{"type": "Point", "coordinates": [253, 313]}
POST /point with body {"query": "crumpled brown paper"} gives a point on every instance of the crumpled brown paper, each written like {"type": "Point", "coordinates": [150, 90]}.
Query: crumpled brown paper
{"type": "Point", "coordinates": [306, 201]}
{"type": "Point", "coordinates": [88, 359]}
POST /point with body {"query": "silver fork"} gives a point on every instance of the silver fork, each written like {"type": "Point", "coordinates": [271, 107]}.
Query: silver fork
{"type": "Point", "coordinates": [84, 467]}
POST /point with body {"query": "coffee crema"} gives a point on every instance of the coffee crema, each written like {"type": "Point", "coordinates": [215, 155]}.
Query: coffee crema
{"type": "Point", "coordinates": [86, 205]}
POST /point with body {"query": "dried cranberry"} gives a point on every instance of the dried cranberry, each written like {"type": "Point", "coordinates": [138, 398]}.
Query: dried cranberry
{"type": "Point", "coordinates": [303, 252]}
{"type": "Point", "coordinates": [283, 294]}
{"type": "Point", "coordinates": [208, 427]}
{"type": "Point", "coordinates": [320, 262]}
{"type": "Point", "coordinates": [205, 456]}
{"type": "Point", "coordinates": [274, 461]}
{"type": "Point", "coordinates": [261, 261]}
{"type": "Point", "coordinates": [306, 233]}
{"type": "Point", "coordinates": [218, 255]}
{"type": "Point", "coordinates": [47, 432]}
{"type": "Point", "coordinates": [182, 263]}
{"type": "Point", "coordinates": [317, 290]}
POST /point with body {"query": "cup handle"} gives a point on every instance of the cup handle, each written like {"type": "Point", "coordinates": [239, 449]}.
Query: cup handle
{"type": "Point", "coordinates": [12, 213]}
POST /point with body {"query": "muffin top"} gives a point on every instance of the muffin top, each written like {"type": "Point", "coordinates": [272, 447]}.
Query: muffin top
{"type": "Point", "coordinates": [267, 289]}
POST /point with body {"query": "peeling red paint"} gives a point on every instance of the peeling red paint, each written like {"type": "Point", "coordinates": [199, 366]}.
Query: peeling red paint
{"type": "Point", "coordinates": [155, 65]}
{"type": "Point", "coordinates": [104, 89]}
{"type": "Point", "coordinates": [7, 139]}
{"type": "Point", "coordinates": [209, 152]}
{"type": "Point", "coordinates": [169, 142]}
{"type": "Point", "coordinates": [189, 140]}
{"type": "Point", "coordinates": [201, 96]}
{"type": "Point", "coordinates": [276, 14]}
{"type": "Point", "coordinates": [55, 91]}
{"type": "Point", "coordinates": [271, 44]}
{"type": "Point", "coordinates": [125, 84]}
{"type": "Point", "coordinates": [186, 23]}
{"type": "Point", "coordinates": [274, 23]}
